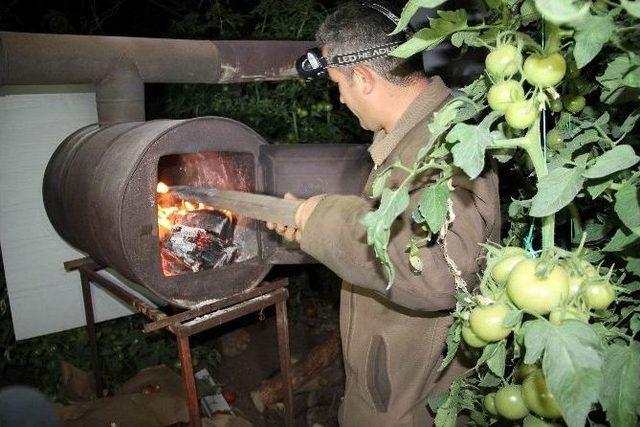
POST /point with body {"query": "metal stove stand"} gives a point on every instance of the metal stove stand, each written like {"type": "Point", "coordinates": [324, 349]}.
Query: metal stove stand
{"type": "Point", "coordinates": [190, 322]}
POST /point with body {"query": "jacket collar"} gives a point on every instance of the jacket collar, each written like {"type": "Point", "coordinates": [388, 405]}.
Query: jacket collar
{"type": "Point", "coordinates": [428, 100]}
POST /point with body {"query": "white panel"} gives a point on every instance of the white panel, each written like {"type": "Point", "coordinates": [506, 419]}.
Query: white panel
{"type": "Point", "coordinates": [43, 297]}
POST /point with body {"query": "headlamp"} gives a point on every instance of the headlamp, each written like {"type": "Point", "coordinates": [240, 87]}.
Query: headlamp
{"type": "Point", "coordinates": [313, 65]}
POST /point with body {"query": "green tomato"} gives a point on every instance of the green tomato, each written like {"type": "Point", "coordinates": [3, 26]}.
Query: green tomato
{"type": "Point", "coordinates": [599, 295]}
{"type": "Point", "coordinates": [575, 285]}
{"type": "Point", "coordinates": [574, 103]}
{"type": "Point", "coordinates": [538, 398]}
{"type": "Point", "coordinates": [524, 370]}
{"type": "Point", "coordinates": [554, 139]}
{"type": "Point", "coordinates": [487, 322]}
{"type": "Point", "coordinates": [501, 269]}
{"type": "Point", "coordinates": [471, 338]}
{"type": "Point", "coordinates": [502, 94]}
{"type": "Point", "coordinates": [544, 71]}
{"type": "Point", "coordinates": [559, 315]}
{"type": "Point", "coordinates": [503, 61]}
{"type": "Point", "coordinates": [510, 402]}
{"type": "Point", "coordinates": [489, 402]}
{"type": "Point", "coordinates": [555, 105]}
{"type": "Point", "coordinates": [521, 114]}
{"type": "Point", "coordinates": [534, 294]}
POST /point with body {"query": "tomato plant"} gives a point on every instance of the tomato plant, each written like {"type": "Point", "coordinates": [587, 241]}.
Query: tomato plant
{"type": "Point", "coordinates": [503, 61]}
{"type": "Point", "coordinates": [544, 71]}
{"type": "Point", "coordinates": [471, 338]}
{"type": "Point", "coordinates": [487, 322]}
{"type": "Point", "coordinates": [599, 295]}
{"type": "Point", "coordinates": [521, 114]}
{"type": "Point", "coordinates": [489, 402]}
{"type": "Point", "coordinates": [510, 402]}
{"type": "Point", "coordinates": [538, 398]}
{"type": "Point", "coordinates": [535, 292]}
{"type": "Point", "coordinates": [569, 294]}
{"type": "Point", "coordinates": [503, 94]}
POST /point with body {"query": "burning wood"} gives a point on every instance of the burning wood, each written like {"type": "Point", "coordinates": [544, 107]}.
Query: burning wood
{"type": "Point", "coordinates": [193, 237]}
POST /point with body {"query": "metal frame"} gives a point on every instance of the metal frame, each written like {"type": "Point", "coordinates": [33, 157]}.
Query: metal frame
{"type": "Point", "coordinates": [188, 323]}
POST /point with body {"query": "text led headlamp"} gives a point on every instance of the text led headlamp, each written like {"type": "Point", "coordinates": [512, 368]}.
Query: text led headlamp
{"type": "Point", "coordinates": [313, 65]}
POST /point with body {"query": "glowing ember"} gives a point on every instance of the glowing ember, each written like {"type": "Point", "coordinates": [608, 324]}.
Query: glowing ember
{"type": "Point", "coordinates": [193, 236]}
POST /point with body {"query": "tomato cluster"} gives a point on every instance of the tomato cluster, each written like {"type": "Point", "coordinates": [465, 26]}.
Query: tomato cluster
{"type": "Point", "coordinates": [560, 287]}
{"type": "Point", "coordinates": [541, 71]}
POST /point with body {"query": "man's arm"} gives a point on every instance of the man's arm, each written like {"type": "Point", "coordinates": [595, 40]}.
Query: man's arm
{"type": "Point", "coordinates": [334, 236]}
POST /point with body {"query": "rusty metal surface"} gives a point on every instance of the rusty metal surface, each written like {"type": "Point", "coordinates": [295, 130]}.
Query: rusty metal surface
{"type": "Point", "coordinates": [91, 333]}
{"type": "Point", "coordinates": [29, 58]}
{"type": "Point", "coordinates": [208, 308]}
{"type": "Point", "coordinates": [184, 351]}
{"type": "Point", "coordinates": [119, 66]}
{"type": "Point", "coordinates": [223, 316]}
{"type": "Point", "coordinates": [100, 193]}
{"type": "Point", "coordinates": [284, 354]}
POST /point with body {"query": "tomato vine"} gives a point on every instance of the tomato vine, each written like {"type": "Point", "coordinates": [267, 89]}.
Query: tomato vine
{"type": "Point", "coordinates": [554, 330]}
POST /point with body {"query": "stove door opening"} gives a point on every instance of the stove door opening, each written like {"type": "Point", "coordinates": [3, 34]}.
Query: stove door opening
{"type": "Point", "coordinates": [196, 237]}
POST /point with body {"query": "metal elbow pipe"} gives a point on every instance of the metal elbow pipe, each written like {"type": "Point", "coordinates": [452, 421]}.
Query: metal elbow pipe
{"type": "Point", "coordinates": [119, 66]}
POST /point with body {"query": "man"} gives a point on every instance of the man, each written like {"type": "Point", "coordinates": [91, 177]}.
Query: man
{"type": "Point", "coordinates": [392, 341]}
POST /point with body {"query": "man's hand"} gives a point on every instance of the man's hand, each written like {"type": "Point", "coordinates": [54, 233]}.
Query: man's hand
{"type": "Point", "coordinates": [303, 213]}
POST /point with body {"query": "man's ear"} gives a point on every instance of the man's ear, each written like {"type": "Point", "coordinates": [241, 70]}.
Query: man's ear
{"type": "Point", "coordinates": [364, 78]}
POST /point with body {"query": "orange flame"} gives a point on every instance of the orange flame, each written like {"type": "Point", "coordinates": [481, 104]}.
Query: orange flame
{"type": "Point", "coordinates": [170, 208]}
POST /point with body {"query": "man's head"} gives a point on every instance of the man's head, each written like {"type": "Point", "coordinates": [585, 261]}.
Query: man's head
{"type": "Point", "coordinates": [366, 86]}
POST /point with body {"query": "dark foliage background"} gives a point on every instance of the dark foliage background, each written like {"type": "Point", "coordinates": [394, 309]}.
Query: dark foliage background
{"type": "Point", "coordinates": [283, 112]}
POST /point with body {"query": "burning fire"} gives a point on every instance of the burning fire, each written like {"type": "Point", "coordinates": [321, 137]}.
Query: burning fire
{"type": "Point", "coordinates": [170, 208]}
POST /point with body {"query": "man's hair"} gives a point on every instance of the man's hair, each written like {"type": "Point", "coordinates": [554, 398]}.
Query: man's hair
{"type": "Point", "coordinates": [353, 27]}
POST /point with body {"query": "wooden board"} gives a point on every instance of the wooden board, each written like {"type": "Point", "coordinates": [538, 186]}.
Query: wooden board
{"type": "Point", "coordinates": [256, 206]}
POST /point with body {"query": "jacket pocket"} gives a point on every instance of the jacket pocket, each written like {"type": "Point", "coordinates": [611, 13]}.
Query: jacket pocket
{"type": "Point", "coordinates": [377, 375]}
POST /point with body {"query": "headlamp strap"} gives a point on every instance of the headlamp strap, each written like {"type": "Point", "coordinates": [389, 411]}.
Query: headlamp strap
{"type": "Point", "coordinates": [361, 55]}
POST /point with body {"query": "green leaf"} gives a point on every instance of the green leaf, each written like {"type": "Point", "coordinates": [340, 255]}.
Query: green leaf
{"type": "Point", "coordinates": [469, 38]}
{"type": "Point", "coordinates": [572, 366]}
{"type": "Point", "coordinates": [471, 143]}
{"type": "Point", "coordinates": [562, 11]}
{"type": "Point", "coordinates": [453, 340]}
{"type": "Point", "coordinates": [621, 239]}
{"type": "Point", "coordinates": [535, 339]}
{"type": "Point", "coordinates": [448, 410]}
{"type": "Point", "coordinates": [597, 186]}
{"type": "Point", "coordinates": [414, 256]}
{"type": "Point", "coordinates": [632, 7]}
{"type": "Point", "coordinates": [378, 224]}
{"type": "Point", "coordinates": [440, 28]}
{"type": "Point", "coordinates": [620, 393]}
{"type": "Point", "coordinates": [497, 361]}
{"type": "Point", "coordinates": [434, 205]}
{"type": "Point", "coordinates": [612, 79]}
{"type": "Point", "coordinates": [380, 181]}
{"type": "Point", "coordinates": [618, 158]}
{"type": "Point", "coordinates": [442, 120]}
{"type": "Point", "coordinates": [632, 78]}
{"type": "Point", "coordinates": [410, 9]}
{"type": "Point", "coordinates": [628, 124]}
{"type": "Point", "coordinates": [556, 190]}
{"type": "Point", "coordinates": [627, 207]}
{"type": "Point", "coordinates": [632, 265]}
{"type": "Point", "coordinates": [592, 32]}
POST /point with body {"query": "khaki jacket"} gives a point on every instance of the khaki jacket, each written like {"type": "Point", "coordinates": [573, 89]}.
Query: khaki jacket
{"type": "Point", "coordinates": [393, 341]}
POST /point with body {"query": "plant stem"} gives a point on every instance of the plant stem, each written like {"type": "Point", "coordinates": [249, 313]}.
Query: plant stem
{"type": "Point", "coordinates": [552, 41]}
{"type": "Point", "coordinates": [533, 148]}
{"type": "Point", "coordinates": [577, 221]}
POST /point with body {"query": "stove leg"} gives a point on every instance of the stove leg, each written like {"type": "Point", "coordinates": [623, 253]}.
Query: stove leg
{"type": "Point", "coordinates": [91, 333]}
{"type": "Point", "coordinates": [184, 351]}
{"type": "Point", "coordinates": [285, 357]}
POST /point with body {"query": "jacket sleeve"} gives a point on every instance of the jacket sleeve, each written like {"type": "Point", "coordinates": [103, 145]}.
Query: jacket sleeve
{"type": "Point", "coordinates": [334, 236]}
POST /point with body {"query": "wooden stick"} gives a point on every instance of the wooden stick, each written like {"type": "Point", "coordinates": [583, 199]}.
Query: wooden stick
{"type": "Point", "coordinates": [273, 390]}
{"type": "Point", "coordinates": [256, 206]}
